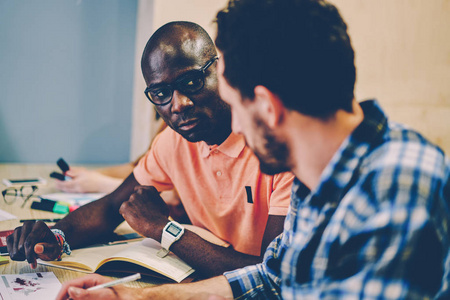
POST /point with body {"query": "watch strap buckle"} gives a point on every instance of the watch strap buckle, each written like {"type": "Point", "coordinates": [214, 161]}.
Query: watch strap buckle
{"type": "Point", "coordinates": [162, 253]}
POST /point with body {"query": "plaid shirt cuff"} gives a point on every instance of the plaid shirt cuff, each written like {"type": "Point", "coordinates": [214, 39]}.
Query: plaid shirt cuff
{"type": "Point", "coordinates": [252, 282]}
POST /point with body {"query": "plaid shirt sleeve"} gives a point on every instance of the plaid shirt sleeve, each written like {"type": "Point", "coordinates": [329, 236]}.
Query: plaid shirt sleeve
{"type": "Point", "coordinates": [384, 258]}
{"type": "Point", "coordinates": [258, 281]}
{"type": "Point", "coordinates": [388, 238]}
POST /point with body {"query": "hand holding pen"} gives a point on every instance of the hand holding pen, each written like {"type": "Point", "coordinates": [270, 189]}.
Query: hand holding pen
{"type": "Point", "coordinates": [76, 179]}
{"type": "Point", "coordinates": [97, 288]}
{"type": "Point", "coordinates": [83, 180]}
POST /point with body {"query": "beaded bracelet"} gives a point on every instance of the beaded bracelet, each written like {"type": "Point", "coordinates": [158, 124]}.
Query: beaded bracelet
{"type": "Point", "coordinates": [61, 238]}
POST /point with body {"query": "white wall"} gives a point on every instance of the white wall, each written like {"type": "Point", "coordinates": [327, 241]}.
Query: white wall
{"type": "Point", "coordinates": [403, 59]}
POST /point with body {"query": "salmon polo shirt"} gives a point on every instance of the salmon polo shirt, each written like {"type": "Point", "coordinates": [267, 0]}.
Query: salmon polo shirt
{"type": "Point", "coordinates": [221, 187]}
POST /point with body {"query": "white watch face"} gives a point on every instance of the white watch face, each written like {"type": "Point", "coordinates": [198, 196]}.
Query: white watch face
{"type": "Point", "coordinates": [173, 229]}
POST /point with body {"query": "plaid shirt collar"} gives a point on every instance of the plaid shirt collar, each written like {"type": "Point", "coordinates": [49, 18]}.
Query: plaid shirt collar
{"type": "Point", "coordinates": [340, 173]}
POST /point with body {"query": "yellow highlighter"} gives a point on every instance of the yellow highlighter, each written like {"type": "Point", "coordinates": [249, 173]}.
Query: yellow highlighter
{"type": "Point", "coordinates": [4, 260]}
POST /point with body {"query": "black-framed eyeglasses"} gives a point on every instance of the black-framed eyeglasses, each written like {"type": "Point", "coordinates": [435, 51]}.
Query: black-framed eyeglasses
{"type": "Point", "coordinates": [189, 83]}
{"type": "Point", "coordinates": [11, 194]}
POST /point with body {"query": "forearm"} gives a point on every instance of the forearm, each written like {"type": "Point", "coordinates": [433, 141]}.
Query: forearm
{"type": "Point", "coordinates": [216, 286]}
{"type": "Point", "coordinates": [209, 259]}
{"type": "Point", "coordinates": [89, 223]}
{"type": "Point", "coordinates": [212, 260]}
{"type": "Point", "coordinates": [97, 219]}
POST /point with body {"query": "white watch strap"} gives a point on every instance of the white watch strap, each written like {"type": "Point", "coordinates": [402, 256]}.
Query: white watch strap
{"type": "Point", "coordinates": [169, 237]}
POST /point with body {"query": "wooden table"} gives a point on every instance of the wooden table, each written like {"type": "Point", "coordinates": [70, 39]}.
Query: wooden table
{"type": "Point", "coordinates": [20, 171]}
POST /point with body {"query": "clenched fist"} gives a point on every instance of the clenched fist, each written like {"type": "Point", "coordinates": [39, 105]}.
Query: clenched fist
{"type": "Point", "coordinates": [146, 212]}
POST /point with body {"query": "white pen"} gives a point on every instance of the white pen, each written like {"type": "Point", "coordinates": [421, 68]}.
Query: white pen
{"type": "Point", "coordinates": [116, 282]}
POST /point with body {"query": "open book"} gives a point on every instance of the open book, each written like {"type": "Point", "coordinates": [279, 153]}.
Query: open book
{"type": "Point", "coordinates": [132, 257]}
{"type": "Point", "coordinates": [135, 257]}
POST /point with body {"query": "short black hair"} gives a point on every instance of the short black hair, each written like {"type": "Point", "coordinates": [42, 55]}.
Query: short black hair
{"type": "Point", "coordinates": [299, 49]}
{"type": "Point", "coordinates": [170, 31]}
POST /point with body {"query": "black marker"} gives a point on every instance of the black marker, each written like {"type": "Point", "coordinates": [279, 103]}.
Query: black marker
{"type": "Point", "coordinates": [64, 166]}
{"type": "Point", "coordinates": [57, 175]}
{"type": "Point", "coordinates": [43, 220]}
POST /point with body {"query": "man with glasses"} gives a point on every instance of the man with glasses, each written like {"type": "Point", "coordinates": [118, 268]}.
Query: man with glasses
{"type": "Point", "coordinates": [216, 175]}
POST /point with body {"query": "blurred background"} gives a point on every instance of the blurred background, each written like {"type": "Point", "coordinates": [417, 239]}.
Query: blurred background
{"type": "Point", "coordinates": [71, 85]}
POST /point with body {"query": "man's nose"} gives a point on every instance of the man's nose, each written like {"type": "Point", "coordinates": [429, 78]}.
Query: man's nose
{"type": "Point", "coordinates": [180, 102]}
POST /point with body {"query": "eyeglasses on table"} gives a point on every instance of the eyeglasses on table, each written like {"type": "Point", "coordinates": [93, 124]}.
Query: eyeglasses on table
{"type": "Point", "coordinates": [12, 194]}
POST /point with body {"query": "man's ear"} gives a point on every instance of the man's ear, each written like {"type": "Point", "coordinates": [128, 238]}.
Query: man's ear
{"type": "Point", "coordinates": [269, 105]}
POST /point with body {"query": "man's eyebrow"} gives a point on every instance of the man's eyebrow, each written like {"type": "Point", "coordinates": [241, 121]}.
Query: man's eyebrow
{"type": "Point", "coordinates": [157, 85]}
{"type": "Point", "coordinates": [181, 76]}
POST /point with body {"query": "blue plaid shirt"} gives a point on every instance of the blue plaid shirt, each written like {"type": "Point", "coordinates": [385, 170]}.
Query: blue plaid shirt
{"type": "Point", "coordinates": [376, 227]}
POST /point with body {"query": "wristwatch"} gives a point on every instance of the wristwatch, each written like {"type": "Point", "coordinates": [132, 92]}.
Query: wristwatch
{"type": "Point", "coordinates": [172, 232]}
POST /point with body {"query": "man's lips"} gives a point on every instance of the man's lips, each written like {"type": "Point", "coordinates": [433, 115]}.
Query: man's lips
{"type": "Point", "coordinates": [188, 125]}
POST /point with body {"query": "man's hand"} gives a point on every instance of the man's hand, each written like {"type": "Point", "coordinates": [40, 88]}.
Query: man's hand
{"type": "Point", "coordinates": [146, 212]}
{"type": "Point", "coordinates": [31, 241]}
{"type": "Point", "coordinates": [76, 289]}
{"type": "Point", "coordinates": [87, 181]}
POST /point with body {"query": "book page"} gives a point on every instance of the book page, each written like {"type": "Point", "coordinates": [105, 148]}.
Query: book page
{"type": "Point", "coordinates": [141, 253]}
{"type": "Point", "coordinates": [33, 286]}
{"type": "Point", "coordinates": [74, 198]}
{"type": "Point", "coordinates": [86, 259]}
{"type": "Point", "coordinates": [144, 253]}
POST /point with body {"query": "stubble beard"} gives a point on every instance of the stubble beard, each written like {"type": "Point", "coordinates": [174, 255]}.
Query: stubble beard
{"type": "Point", "coordinates": [274, 159]}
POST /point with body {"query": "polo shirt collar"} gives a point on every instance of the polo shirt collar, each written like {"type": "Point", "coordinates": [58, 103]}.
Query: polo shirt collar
{"type": "Point", "coordinates": [232, 146]}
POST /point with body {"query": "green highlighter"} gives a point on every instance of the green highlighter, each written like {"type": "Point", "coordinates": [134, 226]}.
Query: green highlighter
{"type": "Point", "coordinates": [50, 205]}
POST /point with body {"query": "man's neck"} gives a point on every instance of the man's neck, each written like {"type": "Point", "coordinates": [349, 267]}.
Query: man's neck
{"type": "Point", "coordinates": [313, 142]}
{"type": "Point", "coordinates": [219, 137]}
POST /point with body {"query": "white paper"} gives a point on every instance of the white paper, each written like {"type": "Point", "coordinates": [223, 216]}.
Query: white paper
{"type": "Point", "coordinates": [32, 286]}
{"type": "Point", "coordinates": [74, 198]}
{"type": "Point", "coordinates": [6, 216]}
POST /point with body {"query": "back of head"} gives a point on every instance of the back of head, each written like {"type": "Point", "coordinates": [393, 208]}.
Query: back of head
{"type": "Point", "coordinates": [299, 49]}
{"type": "Point", "coordinates": [178, 39]}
